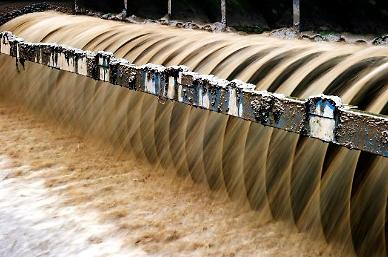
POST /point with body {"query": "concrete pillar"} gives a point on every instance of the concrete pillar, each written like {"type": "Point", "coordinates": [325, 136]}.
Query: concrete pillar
{"type": "Point", "coordinates": [223, 12]}
{"type": "Point", "coordinates": [296, 14]}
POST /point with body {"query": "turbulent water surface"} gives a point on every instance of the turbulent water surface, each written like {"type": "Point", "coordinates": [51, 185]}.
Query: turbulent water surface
{"type": "Point", "coordinates": [62, 195]}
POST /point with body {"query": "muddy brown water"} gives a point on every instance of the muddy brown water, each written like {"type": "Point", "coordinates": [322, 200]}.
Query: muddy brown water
{"type": "Point", "coordinates": [330, 194]}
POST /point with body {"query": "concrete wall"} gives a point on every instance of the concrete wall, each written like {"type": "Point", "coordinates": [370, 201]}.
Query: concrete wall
{"type": "Point", "coordinates": [357, 16]}
{"type": "Point", "coordinates": [102, 5]}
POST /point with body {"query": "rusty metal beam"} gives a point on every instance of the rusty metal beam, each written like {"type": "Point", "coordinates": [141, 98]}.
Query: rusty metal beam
{"type": "Point", "coordinates": [322, 117]}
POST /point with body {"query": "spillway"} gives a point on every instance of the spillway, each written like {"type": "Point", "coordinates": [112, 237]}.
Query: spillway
{"type": "Point", "coordinates": [322, 189]}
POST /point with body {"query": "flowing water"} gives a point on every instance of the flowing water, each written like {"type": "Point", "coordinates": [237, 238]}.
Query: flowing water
{"type": "Point", "coordinates": [325, 191]}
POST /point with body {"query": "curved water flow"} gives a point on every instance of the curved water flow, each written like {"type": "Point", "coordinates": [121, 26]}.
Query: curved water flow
{"type": "Point", "coordinates": [331, 192]}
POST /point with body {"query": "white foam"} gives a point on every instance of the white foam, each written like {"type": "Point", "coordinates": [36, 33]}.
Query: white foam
{"type": "Point", "coordinates": [32, 223]}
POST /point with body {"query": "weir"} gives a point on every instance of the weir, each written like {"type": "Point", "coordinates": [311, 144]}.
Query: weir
{"type": "Point", "coordinates": [296, 130]}
{"type": "Point", "coordinates": [322, 117]}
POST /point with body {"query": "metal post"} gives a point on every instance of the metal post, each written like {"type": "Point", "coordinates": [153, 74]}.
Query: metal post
{"type": "Point", "coordinates": [296, 14]}
{"type": "Point", "coordinates": [223, 12]}
{"type": "Point", "coordinates": [169, 10]}
{"type": "Point", "coordinates": [125, 10]}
